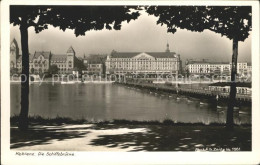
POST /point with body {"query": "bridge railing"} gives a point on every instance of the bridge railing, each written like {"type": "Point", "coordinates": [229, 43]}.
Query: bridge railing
{"type": "Point", "coordinates": [202, 91]}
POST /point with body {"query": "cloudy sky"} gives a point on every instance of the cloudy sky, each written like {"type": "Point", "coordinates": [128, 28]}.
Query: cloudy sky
{"type": "Point", "coordinates": [141, 35]}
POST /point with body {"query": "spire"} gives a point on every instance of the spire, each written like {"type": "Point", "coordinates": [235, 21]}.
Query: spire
{"type": "Point", "coordinates": [70, 50]}
{"type": "Point", "coordinates": [15, 42]}
{"type": "Point", "coordinates": [167, 49]}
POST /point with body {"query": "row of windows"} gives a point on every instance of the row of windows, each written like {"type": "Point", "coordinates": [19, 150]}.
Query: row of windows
{"type": "Point", "coordinates": [41, 65]}
{"type": "Point", "coordinates": [136, 60]}
{"type": "Point", "coordinates": [94, 70]}
{"type": "Point", "coordinates": [205, 66]}
{"type": "Point", "coordinates": [144, 68]}
{"type": "Point", "coordinates": [60, 66]}
{"type": "Point", "coordinates": [220, 66]}
{"type": "Point", "coordinates": [94, 65]}
{"type": "Point", "coordinates": [53, 61]}
{"type": "Point", "coordinates": [140, 65]}
{"type": "Point", "coordinates": [58, 61]}
{"type": "Point", "coordinates": [143, 63]}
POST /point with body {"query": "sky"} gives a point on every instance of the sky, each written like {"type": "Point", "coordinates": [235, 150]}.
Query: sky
{"type": "Point", "coordinates": [140, 35]}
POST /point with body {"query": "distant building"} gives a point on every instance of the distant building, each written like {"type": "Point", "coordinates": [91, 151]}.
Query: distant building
{"type": "Point", "coordinates": [196, 67]}
{"type": "Point", "coordinates": [95, 64]}
{"type": "Point", "coordinates": [148, 63]}
{"type": "Point", "coordinates": [41, 61]}
{"type": "Point", "coordinates": [14, 54]}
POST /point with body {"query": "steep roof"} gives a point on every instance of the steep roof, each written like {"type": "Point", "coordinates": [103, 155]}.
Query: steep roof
{"type": "Point", "coordinates": [153, 54]}
{"type": "Point", "coordinates": [59, 57]}
{"type": "Point", "coordinates": [71, 50]}
{"type": "Point", "coordinates": [96, 59]}
{"type": "Point", "coordinates": [46, 55]}
{"type": "Point", "coordinates": [97, 55]}
{"type": "Point", "coordinates": [14, 41]}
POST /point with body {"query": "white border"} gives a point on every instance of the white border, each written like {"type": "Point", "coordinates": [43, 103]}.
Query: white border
{"type": "Point", "coordinates": [8, 157]}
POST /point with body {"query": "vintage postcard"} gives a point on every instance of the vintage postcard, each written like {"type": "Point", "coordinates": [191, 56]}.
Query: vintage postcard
{"type": "Point", "coordinates": [111, 82]}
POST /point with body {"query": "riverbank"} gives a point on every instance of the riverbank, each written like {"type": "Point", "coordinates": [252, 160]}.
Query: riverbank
{"type": "Point", "coordinates": [64, 134]}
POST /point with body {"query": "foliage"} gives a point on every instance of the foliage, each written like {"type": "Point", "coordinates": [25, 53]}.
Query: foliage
{"type": "Point", "coordinates": [230, 21]}
{"type": "Point", "coordinates": [79, 65]}
{"type": "Point", "coordinates": [32, 70]}
{"type": "Point", "coordinates": [84, 18]}
{"type": "Point", "coordinates": [13, 71]}
{"type": "Point", "coordinates": [53, 69]}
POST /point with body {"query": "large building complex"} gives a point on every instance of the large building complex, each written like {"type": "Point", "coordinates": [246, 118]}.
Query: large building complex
{"type": "Point", "coordinates": [148, 63]}
{"type": "Point", "coordinates": [196, 67]}
{"type": "Point", "coordinates": [41, 61]}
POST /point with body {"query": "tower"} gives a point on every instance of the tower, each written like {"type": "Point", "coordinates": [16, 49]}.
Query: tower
{"type": "Point", "coordinates": [167, 48]}
{"type": "Point", "coordinates": [70, 58]}
{"type": "Point", "coordinates": [14, 53]}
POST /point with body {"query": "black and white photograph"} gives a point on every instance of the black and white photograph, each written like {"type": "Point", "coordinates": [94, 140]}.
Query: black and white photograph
{"type": "Point", "coordinates": [92, 78]}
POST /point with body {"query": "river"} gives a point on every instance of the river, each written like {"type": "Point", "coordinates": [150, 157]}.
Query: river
{"type": "Point", "coordinates": [96, 102]}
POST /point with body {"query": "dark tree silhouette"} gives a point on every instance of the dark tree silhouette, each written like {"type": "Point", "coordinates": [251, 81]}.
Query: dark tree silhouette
{"type": "Point", "coordinates": [80, 65]}
{"type": "Point", "coordinates": [78, 18]}
{"type": "Point", "coordinates": [234, 22]}
{"type": "Point", "coordinates": [53, 69]}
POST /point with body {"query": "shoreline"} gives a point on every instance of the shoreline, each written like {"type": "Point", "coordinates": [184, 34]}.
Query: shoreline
{"type": "Point", "coordinates": [38, 120]}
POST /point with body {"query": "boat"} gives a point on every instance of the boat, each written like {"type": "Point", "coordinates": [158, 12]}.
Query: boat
{"type": "Point", "coordinates": [189, 101]}
{"type": "Point", "coordinates": [221, 112]}
{"type": "Point", "coordinates": [67, 82]}
{"type": "Point", "coordinates": [219, 107]}
{"type": "Point", "coordinates": [243, 112]}
{"type": "Point", "coordinates": [99, 82]}
{"type": "Point", "coordinates": [102, 82]}
{"type": "Point", "coordinates": [170, 96]}
{"type": "Point", "coordinates": [86, 82]}
{"type": "Point", "coordinates": [201, 103]}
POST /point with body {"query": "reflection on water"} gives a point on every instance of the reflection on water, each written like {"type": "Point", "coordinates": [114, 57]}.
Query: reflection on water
{"type": "Point", "coordinates": [107, 101]}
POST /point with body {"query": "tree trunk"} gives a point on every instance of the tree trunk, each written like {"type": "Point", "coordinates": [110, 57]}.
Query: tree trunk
{"type": "Point", "coordinates": [23, 118]}
{"type": "Point", "coordinates": [233, 91]}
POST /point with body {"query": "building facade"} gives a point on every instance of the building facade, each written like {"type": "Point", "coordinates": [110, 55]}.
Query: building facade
{"type": "Point", "coordinates": [197, 67]}
{"type": "Point", "coordinates": [95, 64]}
{"type": "Point", "coordinates": [14, 54]}
{"type": "Point", "coordinates": [148, 63]}
{"type": "Point", "coordinates": [41, 61]}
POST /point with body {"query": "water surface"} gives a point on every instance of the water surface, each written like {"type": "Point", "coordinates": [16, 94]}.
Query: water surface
{"type": "Point", "coordinates": [107, 102]}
